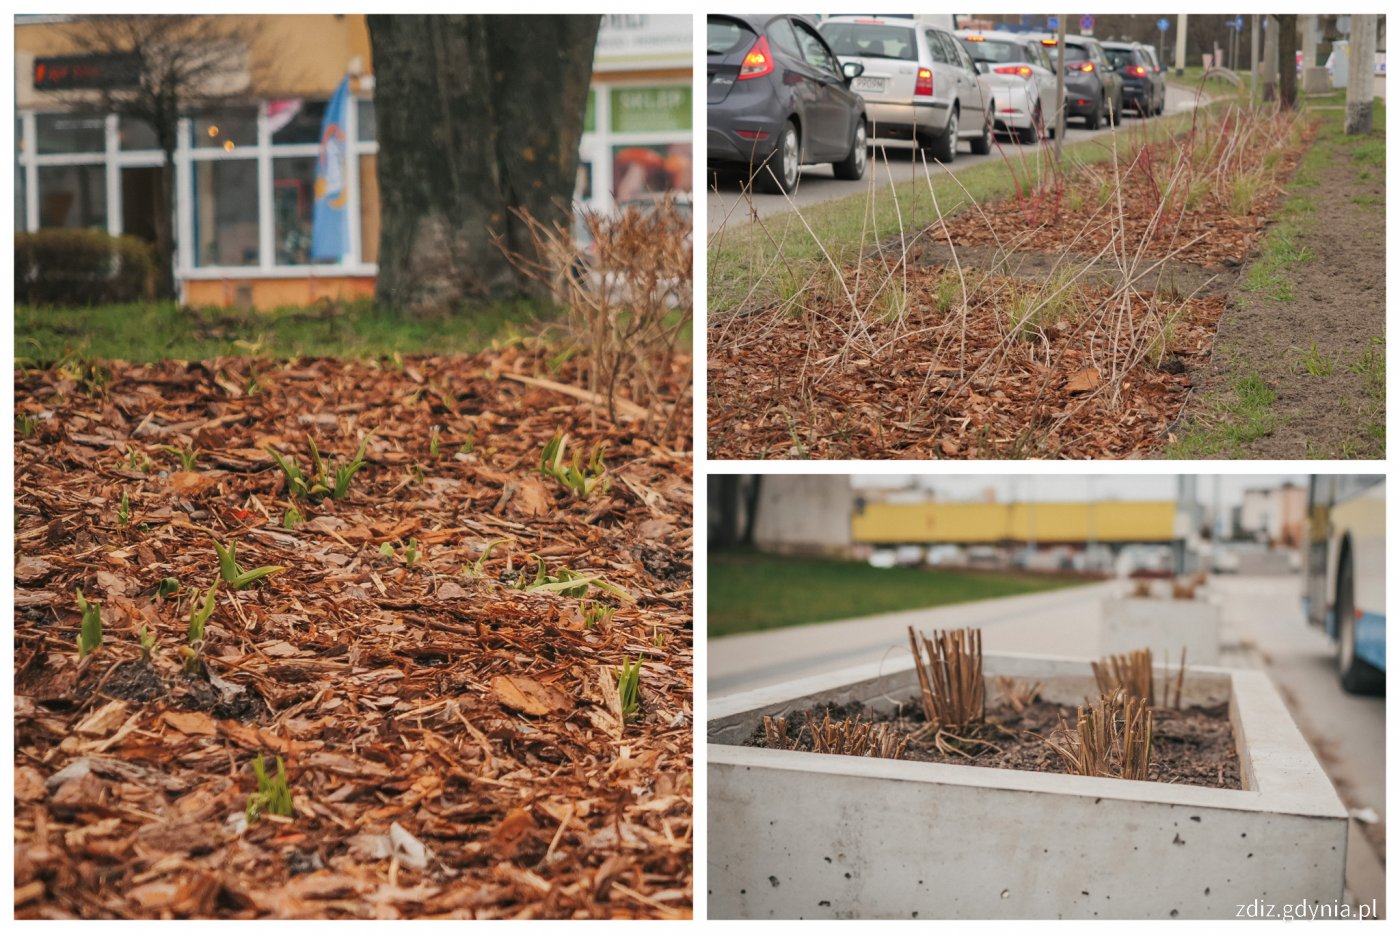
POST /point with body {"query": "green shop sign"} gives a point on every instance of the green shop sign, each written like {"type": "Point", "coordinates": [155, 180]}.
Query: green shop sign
{"type": "Point", "coordinates": [650, 109]}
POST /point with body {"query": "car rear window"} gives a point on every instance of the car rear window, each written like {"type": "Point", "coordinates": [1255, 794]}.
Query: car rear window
{"type": "Point", "coordinates": [726, 35]}
{"type": "Point", "coordinates": [990, 50]}
{"type": "Point", "coordinates": [868, 40]}
{"type": "Point", "coordinates": [1120, 58]}
{"type": "Point", "coordinates": [1076, 53]}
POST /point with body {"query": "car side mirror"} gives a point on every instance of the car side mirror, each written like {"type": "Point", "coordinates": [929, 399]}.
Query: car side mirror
{"type": "Point", "coordinates": [983, 68]}
{"type": "Point", "coordinates": [852, 70]}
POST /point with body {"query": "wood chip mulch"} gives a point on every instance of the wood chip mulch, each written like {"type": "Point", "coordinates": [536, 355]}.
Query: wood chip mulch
{"type": "Point", "coordinates": [455, 744]}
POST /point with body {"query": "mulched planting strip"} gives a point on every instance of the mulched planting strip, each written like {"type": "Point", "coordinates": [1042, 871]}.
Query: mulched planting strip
{"type": "Point", "coordinates": [1192, 746]}
{"type": "Point", "coordinates": [455, 745]}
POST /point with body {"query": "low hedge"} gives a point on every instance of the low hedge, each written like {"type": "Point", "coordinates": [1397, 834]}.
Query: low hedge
{"type": "Point", "coordinates": [71, 267]}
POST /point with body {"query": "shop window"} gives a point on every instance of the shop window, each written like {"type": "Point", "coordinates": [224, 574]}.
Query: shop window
{"type": "Point", "coordinates": [293, 194]}
{"type": "Point", "coordinates": [226, 129]}
{"type": "Point", "coordinates": [70, 133]}
{"type": "Point", "coordinates": [136, 134]}
{"type": "Point", "coordinates": [369, 209]}
{"type": "Point", "coordinates": [651, 109]}
{"type": "Point", "coordinates": [643, 171]}
{"type": "Point", "coordinates": [72, 196]}
{"type": "Point", "coordinates": [225, 206]}
{"type": "Point", "coordinates": [368, 130]}
{"type": "Point", "coordinates": [295, 121]}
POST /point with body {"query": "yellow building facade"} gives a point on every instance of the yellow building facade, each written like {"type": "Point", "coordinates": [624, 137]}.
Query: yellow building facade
{"type": "Point", "coordinates": [245, 174]}
{"type": "Point", "coordinates": [992, 523]}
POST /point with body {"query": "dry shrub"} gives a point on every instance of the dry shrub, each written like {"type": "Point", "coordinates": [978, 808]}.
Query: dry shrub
{"type": "Point", "coordinates": [1129, 674]}
{"type": "Point", "coordinates": [950, 681]}
{"type": "Point", "coordinates": [1018, 694]}
{"type": "Point", "coordinates": [629, 297]}
{"type": "Point", "coordinates": [1112, 739]}
{"type": "Point", "coordinates": [847, 737]}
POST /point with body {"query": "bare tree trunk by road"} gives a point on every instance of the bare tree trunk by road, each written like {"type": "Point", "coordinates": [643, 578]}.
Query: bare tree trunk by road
{"type": "Point", "coordinates": [1287, 61]}
{"type": "Point", "coordinates": [1060, 86]}
{"type": "Point", "coordinates": [1361, 54]}
{"type": "Point", "coordinates": [1270, 64]}
{"type": "Point", "coordinates": [473, 126]}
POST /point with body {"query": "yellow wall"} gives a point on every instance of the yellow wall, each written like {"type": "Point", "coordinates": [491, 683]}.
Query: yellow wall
{"type": "Point", "coordinates": [266, 294]}
{"type": "Point", "coordinates": [973, 523]}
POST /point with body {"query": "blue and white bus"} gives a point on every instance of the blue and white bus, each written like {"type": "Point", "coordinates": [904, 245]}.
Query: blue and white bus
{"type": "Point", "coordinates": [1344, 574]}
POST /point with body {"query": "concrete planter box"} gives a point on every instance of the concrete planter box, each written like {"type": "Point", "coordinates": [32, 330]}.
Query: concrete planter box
{"type": "Point", "coordinates": [1162, 625]}
{"type": "Point", "coordinates": [801, 835]}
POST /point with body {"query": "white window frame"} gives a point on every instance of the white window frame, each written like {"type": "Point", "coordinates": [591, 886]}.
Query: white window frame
{"type": "Point", "coordinates": [113, 159]}
{"type": "Point", "coordinates": [599, 144]}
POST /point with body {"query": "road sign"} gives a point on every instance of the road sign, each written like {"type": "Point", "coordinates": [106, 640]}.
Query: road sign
{"type": "Point", "coordinates": [1052, 22]}
{"type": "Point", "coordinates": [1086, 23]}
{"type": "Point", "coordinates": [1237, 24]}
{"type": "Point", "coordinates": [1163, 25]}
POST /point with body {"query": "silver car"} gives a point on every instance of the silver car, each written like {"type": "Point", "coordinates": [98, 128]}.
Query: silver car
{"type": "Point", "coordinates": [919, 83]}
{"type": "Point", "coordinates": [1017, 70]}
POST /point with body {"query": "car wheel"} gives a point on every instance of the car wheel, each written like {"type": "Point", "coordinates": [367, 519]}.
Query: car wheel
{"type": "Point", "coordinates": [1030, 134]}
{"type": "Point", "coordinates": [852, 168]}
{"type": "Point", "coordinates": [1095, 119]}
{"type": "Point", "coordinates": [945, 146]}
{"type": "Point", "coordinates": [983, 144]}
{"type": "Point", "coordinates": [1357, 676]}
{"type": "Point", "coordinates": [778, 173]}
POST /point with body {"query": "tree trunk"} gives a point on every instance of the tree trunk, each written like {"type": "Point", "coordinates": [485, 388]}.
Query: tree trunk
{"type": "Point", "coordinates": [751, 508]}
{"type": "Point", "coordinates": [477, 116]}
{"type": "Point", "coordinates": [1287, 61]}
{"type": "Point", "coordinates": [1361, 83]}
{"type": "Point", "coordinates": [724, 499]}
{"type": "Point", "coordinates": [162, 222]}
{"type": "Point", "coordinates": [1270, 67]}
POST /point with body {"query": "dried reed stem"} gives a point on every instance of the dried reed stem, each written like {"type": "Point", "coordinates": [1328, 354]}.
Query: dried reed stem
{"type": "Point", "coordinates": [1112, 739]}
{"type": "Point", "coordinates": [1130, 673]}
{"type": "Point", "coordinates": [951, 688]}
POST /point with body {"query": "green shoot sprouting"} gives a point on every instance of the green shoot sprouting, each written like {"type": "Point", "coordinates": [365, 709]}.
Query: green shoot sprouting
{"type": "Point", "coordinates": [579, 479]}
{"type": "Point", "coordinates": [565, 582]}
{"type": "Point", "coordinates": [410, 552]}
{"type": "Point", "coordinates": [167, 586]}
{"type": "Point", "coordinates": [325, 478]}
{"type": "Point", "coordinates": [90, 636]}
{"type": "Point", "coordinates": [274, 795]}
{"type": "Point", "coordinates": [187, 456]}
{"type": "Point", "coordinates": [234, 574]}
{"type": "Point", "coordinates": [124, 510]}
{"type": "Point", "coordinates": [433, 442]}
{"type": "Point", "coordinates": [148, 643]}
{"type": "Point", "coordinates": [658, 637]}
{"type": "Point", "coordinates": [199, 614]}
{"type": "Point", "coordinates": [478, 565]}
{"type": "Point", "coordinates": [596, 614]}
{"type": "Point", "coordinates": [629, 679]}
{"type": "Point", "coordinates": [292, 518]}
{"type": "Point", "coordinates": [26, 424]}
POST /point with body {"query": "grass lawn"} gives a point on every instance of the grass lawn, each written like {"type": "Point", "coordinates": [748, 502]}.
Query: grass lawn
{"type": "Point", "coordinates": [750, 591]}
{"type": "Point", "coordinates": [149, 332]}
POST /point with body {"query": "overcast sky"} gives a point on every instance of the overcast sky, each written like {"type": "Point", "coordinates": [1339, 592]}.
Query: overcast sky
{"type": "Point", "coordinates": [1080, 487]}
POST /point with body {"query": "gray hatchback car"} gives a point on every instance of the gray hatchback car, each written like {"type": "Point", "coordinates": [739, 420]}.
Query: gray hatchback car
{"type": "Point", "coordinates": [918, 81]}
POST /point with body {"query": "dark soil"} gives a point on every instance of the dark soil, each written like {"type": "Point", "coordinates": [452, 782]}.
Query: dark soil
{"type": "Point", "coordinates": [1194, 746]}
{"type": "Point", "coordinates": [1339, 307]}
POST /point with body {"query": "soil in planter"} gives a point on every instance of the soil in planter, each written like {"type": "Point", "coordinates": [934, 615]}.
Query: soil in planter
{"type": "Point", "coordinates": [1193, 746]}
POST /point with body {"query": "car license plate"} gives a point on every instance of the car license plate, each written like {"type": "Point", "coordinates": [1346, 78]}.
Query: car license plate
{"type": "Point", "coordinates": [868, 84]}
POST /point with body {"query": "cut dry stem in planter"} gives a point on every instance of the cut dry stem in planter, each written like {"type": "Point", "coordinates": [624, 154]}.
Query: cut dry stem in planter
{"type": "Point", "coordinates": [1112, 739]}
{"type": "Point", "coordinates": [950, 681]}
{"type": "Point", "coordinates": [1130, 673]}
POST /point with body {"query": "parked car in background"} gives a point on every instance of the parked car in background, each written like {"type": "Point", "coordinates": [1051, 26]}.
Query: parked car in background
{"type": "Point", "coordinates": [918, 82]}
{"type": "Point", "coordinates": [1144, 85]}
{"type": "Point", "coordinates": [1093, 89]}
{"type": "Point", "coordinates": [1020, 75]}
{"type": "Point", "coordinates": [779, 98]}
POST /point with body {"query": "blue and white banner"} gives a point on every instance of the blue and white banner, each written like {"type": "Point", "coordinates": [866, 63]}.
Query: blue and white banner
{"type": "Point", "coordinates": [329, 221]}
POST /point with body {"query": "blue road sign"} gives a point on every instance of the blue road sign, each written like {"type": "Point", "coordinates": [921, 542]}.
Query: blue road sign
{"type": "Point", "coordinates": [1086, 23]}
{"type": "Point", "coordinates": [1163, 25]}
{"type": "Point", "coordinates": [1238, 24]}
{"type": "Point", "coordinates": [1052, 22]}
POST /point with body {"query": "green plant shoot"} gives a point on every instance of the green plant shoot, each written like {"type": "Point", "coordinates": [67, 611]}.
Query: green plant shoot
{"type": "Point", "coordinates": [234, 574]}
{"type": "Point", "coordinates": [199, 614]}
{"type": "Point", "coordinates": [90, 635]}
{"type": "Point", "coordinates": [124, 510]}
{"type": "Point", "coordinates": [629, 689]}
{"type": "Point", "coordinates": [579, 479]}
{"type": "Point", "coordinates": [148, 643]}
{"type": "Point", "coordinates": [274, 795]}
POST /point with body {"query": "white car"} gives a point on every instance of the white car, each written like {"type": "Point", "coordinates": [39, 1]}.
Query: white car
{"type": "Point", "coordinates": [918, 82]}
{"type": "Point", "coordinates": [1020, 77]}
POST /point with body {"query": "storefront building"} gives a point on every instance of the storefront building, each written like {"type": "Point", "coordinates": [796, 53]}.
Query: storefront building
{"type": "Point", "coordinates": [246, 173]}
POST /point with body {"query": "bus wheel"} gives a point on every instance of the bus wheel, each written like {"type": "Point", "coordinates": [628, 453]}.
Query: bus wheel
{"type": "Point", "coordinates": [1357, 676]}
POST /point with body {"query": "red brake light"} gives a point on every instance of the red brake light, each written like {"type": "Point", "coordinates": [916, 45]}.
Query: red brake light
{"type": "Point", "coordinates": [1085, 67]}
{"type": "Point", "coordinates": [923, 87]}
{"type": "Point", "coordinates": [758, 62]}
{"type": "Point", "coordinates": [1137, 71]}
{"type": "Point", "coordinates": [1023, 70]}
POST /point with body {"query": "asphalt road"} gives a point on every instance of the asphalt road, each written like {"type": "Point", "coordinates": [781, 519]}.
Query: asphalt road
{"type": "Point", "coordinates": [1262, 626]}
{"type": "Point", "coordinates": [728, 204]}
